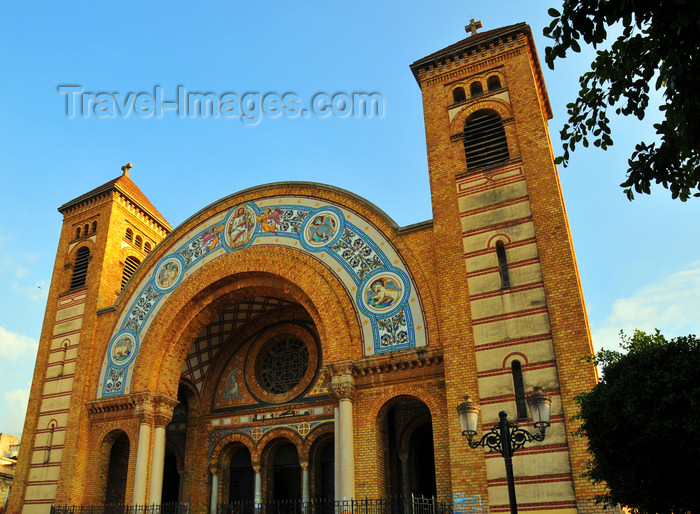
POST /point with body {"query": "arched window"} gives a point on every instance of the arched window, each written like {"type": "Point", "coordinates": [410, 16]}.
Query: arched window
{"type": "Point", "coordinates": [77, 232]}
{"type": "Point", "coordinates": [137, 241]}
{"type": "Point", "coordinates": [476, 89]}
{"type": "Point", "coordinates": [49, 441]}
{"type": "Point", "coordinates": [94, 227]}
{"type": "Point", "coordinates": [146, 247]}
{"type": "Point", "coordinates": [80, 268]}
{"type": "Point", "coordinates": [502, 264]}
{"type": "Point", "coordinates": [86, 229]}
{"type": "Point", "coordinates": [129, 267]}
{"type": "Point", "coordinates": [129, 236]}
{"type": "Point", "coordinates": [493, 83]}
{"type": "Point", "coordinates": [64, 350]}
{"type": "Point", "coordinates": [458, 95]}
{"type": "Point", "coordinates": [519, 389]}
{"type": "Point", "coordinates": [485, 142]}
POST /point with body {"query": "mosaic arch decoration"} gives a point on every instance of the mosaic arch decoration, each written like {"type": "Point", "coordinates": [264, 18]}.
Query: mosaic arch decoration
{"type": "Point", "coordinates": [387, 303]}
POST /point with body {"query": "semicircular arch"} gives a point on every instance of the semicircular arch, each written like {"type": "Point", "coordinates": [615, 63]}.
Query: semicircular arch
{"type": "Point", "coordinates": [179, 324]}
{"type": "Point", "coordinates": [269, 440]}
{"type": "Point", "coordinates": [336, 246]}
{"type": "Point", "coordinates": [219, 450]}
{"type": "Point", "coordinates": [321, 432]}
{"type": "Point", "coordinates": [488, 104]}
{"type": "Point", "coordinates": [381, 403]}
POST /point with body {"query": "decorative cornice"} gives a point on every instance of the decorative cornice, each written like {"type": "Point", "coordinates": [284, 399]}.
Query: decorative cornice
{"type": "Point", "coordinates": [109, 405]}
{"type": "Point", "coordinates": [479, 51]}
{"type": "Point", "coordinates": [405, 360]}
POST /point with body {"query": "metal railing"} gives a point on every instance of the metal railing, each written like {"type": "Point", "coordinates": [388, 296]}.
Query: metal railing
{"type": "Point", "coordinates": [121, 508]}
{"type": "Point", "coordinates": [392, 505]}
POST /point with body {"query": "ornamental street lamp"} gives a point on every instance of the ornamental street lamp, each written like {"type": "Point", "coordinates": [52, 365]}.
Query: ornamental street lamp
{"type": "Point", "coordinates": [505, 437]}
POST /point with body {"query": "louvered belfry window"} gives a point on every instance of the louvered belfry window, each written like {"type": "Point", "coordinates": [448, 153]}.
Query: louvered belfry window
{"type": "Point", "coordinates": [80, 268]}
{"type": "Point", "coordinates": [129, 267]}
{"type": "Point", "coordinates": [485, 142]}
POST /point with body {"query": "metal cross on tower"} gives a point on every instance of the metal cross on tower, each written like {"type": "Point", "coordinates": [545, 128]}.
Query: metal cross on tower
{"type": "Point", "coordinates": [473, 27]}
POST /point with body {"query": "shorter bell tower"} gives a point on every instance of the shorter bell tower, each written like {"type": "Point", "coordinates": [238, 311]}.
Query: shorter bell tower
{"type": "Point", "coordinates": [106, 234]}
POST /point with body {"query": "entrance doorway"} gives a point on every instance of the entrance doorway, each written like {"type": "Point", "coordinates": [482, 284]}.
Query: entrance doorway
{"type": "Point", "coordinates": [241, 477]}
{"type": "Point", "coordinates": [325, 471]}
{"type": "Point", "coordinates": [409, 440]}
{"type": "Point", "coordinates": [117, 470]}
{"type": "Point", "coordinates": [286, 473]}
{"type": "Point", "coordinates": [171, 479]}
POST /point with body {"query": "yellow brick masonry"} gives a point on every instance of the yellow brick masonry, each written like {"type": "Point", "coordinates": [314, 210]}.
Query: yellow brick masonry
{"type": "Point", "coordinates": [542, 316]}
{"type": "Point", "coordinates": [533, 219]}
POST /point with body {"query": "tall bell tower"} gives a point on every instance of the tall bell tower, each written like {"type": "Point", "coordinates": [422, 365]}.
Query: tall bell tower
{"type": "Point", "coordinates": [106, 234]}
{"type": "Point", "coordinates": [498, 208]}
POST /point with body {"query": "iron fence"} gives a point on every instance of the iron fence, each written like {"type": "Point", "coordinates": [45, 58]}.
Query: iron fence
{"type": "Point", "coordinates": [393, 505]}
{"type": "Point", "coordinates": [121, 508]}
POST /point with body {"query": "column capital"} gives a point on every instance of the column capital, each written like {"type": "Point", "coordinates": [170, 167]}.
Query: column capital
{"type": "Point", "coordinates": [143, 407]}
{"type": "Point", "coordinates": [163, 410]}
{"type": "Point", "coordinates": [304, 464]}
{"type": "Point", "coordinates": [341, 380]}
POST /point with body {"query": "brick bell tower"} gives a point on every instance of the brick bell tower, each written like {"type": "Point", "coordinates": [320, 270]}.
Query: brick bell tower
{"type": "Point", "coordinates": [498, 207]}
{"type": "Point", "coordinates": [106, 234]}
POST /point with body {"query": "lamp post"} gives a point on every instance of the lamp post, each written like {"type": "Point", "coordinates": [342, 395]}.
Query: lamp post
{"type": "Point", "coordinates": [506, 437]}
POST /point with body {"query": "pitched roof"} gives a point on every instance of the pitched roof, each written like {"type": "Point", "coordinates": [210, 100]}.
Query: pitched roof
{"type": "Point", "coordinates": [126, 186]}
{"type": "Point", "coordinates": [465, 43]}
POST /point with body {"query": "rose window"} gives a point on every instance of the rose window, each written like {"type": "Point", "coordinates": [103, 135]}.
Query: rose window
{"type": "Point", "coordinates": [283, 366]}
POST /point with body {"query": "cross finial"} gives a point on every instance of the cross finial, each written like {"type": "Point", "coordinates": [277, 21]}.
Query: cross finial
{"type": "Point", "coordinates": [126, 168]}
{"type": "Point", "coordinates": [472, 27]}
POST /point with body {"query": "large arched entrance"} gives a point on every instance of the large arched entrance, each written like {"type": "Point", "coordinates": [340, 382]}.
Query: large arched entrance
{"type": "Point", "coordinates": [252, 330]}
{"type": "Point", "coordinates": [255, 366]}
{"type": "Point", "coordinates": [409, 448]}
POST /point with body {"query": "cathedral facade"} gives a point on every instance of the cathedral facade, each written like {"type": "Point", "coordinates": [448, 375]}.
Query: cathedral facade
{"type": "Point", "coordinates": [290, 341]}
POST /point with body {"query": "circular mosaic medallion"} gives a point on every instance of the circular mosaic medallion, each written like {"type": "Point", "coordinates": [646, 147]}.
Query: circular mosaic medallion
{"type": "Point", "coordinates": [240, 226]}
{"type": "Point", "coordinates": [304, 428]}
{"type": "Point", "coordinates": [168, 273]}
{"type": "Point", "coordinates": [123, 349]}
{"type": "Point", "coordinates": [256, 433]}
{"type": "Point", "coordinates": [321, 229]}
{"type": "Point", "coordinates": [383, 292]}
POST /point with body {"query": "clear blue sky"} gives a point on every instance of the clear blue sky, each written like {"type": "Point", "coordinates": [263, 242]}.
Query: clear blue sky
{"type": "Point", "coordinates": [638, 261]}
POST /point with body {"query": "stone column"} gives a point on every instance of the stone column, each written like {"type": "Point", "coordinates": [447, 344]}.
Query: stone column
{"type": "Point", "coordinates": [336, 454]}
{"type": "Point", "coordinates": [163, 408]}
{"type": "Point", "coordinates": [214, 502]}
{"type": "Point", "coordinates": [305, 482]}
{"type": "Point", "coordinates": [344, 389]}
{"type": "Point", "coordinates": [405, 477]}
{"type": "Point", "coordinates": [257, 493]}
{"type": "Point", "coordinates": [144, 412]}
